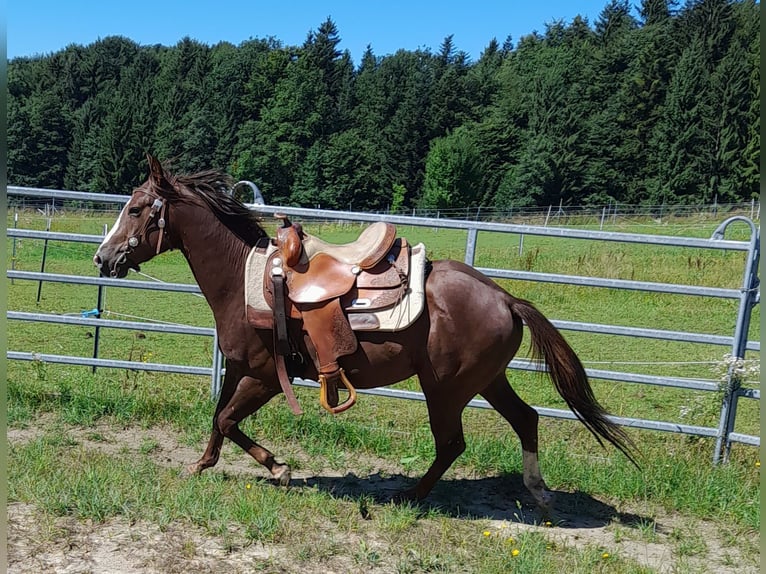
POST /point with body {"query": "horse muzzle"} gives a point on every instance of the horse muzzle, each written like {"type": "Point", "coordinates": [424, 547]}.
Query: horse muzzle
{"type": "Point", "coordinates": [117, 267]}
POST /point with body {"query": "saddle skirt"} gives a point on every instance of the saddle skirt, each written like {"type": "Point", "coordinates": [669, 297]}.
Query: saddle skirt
{"type": "Point", "coordinates": [394, 315]}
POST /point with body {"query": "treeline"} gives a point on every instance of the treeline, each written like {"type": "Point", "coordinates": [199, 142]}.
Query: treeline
{"type": "Point", "coordinates": [662, 107]}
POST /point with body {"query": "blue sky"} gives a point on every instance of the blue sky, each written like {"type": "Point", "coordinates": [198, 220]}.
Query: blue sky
{"type": "Point", "coordinates": [43, 26]}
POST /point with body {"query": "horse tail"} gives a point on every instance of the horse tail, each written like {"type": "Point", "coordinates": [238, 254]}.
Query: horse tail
{"type": "Point", "coordinates": [568, 376]}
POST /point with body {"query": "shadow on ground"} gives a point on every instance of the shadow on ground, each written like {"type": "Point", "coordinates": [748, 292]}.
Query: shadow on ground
{"type": "Point", "coordinates": [494, 498]}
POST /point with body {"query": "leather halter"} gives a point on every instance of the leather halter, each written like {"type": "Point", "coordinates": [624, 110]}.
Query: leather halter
{"type": "Point", "coordinates": [158, 205]}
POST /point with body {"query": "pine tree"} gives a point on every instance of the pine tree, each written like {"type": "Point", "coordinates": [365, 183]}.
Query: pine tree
{"type": "Point", "coordinates": [453, 173]}
{"type": "Point", "coordinates": [681, 154]}
{"type": "Point", "coordinates": [182, 81]}
{"type": "Point", "coordinates": [656, 11]}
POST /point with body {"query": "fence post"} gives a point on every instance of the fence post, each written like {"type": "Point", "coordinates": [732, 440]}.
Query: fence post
{"type": "Point", "coordinates": [42, 265]}
{"type": "Point", "coordinates": [99, 311]}
{"type": "Point", "coordinates": [215, 378]}
{"type": "Point", "coordinates": [13, 254]}
{"type": "Point", "coordinates": [739, 343]}
{"type": "Point", "coordinates": [470, 246]}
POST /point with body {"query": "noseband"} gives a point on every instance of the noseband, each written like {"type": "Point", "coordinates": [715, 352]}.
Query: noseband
{"type": "Point", "coordinates": [158, 205]}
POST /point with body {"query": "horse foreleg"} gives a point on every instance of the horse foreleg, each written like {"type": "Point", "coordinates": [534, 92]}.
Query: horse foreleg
{"type": "Point", "coordinates": [240, 397]}
{"type": "Point", "coordinates": [279, 471]}
{"type": "Point", "coordinates": [524, 420]}
{"type": "Point", "coordinates": [213, 451]}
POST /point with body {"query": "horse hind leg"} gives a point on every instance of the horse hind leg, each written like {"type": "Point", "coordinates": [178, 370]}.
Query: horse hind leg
{"type": "Point", "coordinates": [524, 420]}
{"type": "Point", "coordinates": [240, 397]}
{"type": "Point", "coordinates": [447, 430]}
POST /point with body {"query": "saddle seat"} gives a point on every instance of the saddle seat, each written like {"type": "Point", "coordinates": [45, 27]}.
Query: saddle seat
{"type": "Point", "coordinates": [368, 249]}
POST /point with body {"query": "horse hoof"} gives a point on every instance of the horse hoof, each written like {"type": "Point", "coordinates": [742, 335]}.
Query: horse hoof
{"type": "Point", "coordinates": [191, 470]}
{"type": "Point", "coordinates": [545, 500]}
{"type": "Point", "coordinates": [283, 476]}
{"type": "Point", "coordinates": [408, 496]}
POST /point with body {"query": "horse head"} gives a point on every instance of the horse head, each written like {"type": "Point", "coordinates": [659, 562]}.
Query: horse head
{"type": "Point", "coordinates": [140, 231]}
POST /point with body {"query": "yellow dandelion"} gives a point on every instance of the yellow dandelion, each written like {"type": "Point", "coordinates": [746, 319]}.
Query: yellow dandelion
{"type": "Point", "coordinates": [510, 541]}
{"type": "Point", "coordinates": [548, 524]}
{"type": "Point", "coordinates": [248, 486]}
{"type": "Point", "coordinates": [757, 464]}
{"type": "Point", "coordinates": [486, 533]}
{"type": "Point", "coordinates": [515, 552]}
{"type": "Point", "coordinates": [605, 555]}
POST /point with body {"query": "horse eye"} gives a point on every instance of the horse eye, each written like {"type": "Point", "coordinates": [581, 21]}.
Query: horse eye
{"type": "Point", "coordinates": [134, 211]}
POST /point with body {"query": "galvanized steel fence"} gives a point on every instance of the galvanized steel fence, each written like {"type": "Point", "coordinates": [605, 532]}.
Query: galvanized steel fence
{"type": "Point", "coordinates": [748, 295]}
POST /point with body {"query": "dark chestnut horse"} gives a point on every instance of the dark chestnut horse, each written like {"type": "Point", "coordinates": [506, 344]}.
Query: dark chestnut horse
{"type": "Point", "coordinates": [459, 346]}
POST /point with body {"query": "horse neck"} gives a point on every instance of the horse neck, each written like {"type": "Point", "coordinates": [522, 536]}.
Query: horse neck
{"type": "Point", "coordinates": [216, 257]}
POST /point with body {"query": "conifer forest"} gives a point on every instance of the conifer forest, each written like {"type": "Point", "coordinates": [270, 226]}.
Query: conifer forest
{"type": "Point", "coordinates": [655, 102]}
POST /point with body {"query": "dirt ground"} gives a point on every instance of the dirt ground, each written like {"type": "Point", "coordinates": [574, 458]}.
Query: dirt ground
{"type": "Point", "coordinates": [41, 544]}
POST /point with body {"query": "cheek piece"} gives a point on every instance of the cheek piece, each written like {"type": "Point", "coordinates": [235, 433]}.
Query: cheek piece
{"type": "Point", "coordinates": [158, 205]}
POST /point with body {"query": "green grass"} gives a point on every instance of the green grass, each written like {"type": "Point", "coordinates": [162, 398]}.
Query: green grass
{"type": "Point", "coordinates": [64, 479]}
{"type": "Point", "coordinates": [676, 473]}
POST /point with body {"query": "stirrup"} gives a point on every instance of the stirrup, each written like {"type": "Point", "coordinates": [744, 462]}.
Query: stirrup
{"type": "Point", "coordinates": [323, 393]}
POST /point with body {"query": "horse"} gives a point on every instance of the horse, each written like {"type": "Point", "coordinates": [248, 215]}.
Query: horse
{"type": "Point", "coordinates": [458, 347]}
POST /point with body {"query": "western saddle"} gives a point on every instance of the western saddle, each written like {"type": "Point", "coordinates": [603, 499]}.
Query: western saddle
{"type": "Point", "coordinates": [331, 289]}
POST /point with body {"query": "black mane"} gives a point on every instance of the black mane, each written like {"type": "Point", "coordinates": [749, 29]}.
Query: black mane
{"type": "Point", "coordinates": [214, 189]}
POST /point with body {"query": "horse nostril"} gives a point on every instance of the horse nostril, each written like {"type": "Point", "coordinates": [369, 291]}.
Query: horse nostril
{"type": "Point", "coordinates": [97, 261]}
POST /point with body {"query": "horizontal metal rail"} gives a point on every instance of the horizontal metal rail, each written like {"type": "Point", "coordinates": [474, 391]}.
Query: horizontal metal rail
{"type": "Point", "coordinates": [466, 225]}
{"type": "Point", "coordinates": [115, 324]}
{"type": "Point", "coordinates": [612, 283]}
{"type": "Point", "coordinates": [54, 236]}
{"type": "Point", "coordinates": [745, 439]}
{"type": "Point", "coordinates": [554, 413]}
{"type": "Point", "coordinates": [64, 194]}
{"type": "Point", "coordinates": [112, 363]}
{"type": "Point", "coordinates": [620, 376]}
{"type": "Point", "coordinates": [642, 332]}
{"type": "Point", "coordinates": [566, 325]}
{"type": "Point", "coordinates": [749, 393]}
{"type": "Point", "coordinates": [105, 281]}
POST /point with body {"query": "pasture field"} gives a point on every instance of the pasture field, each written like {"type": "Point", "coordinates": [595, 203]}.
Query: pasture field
{"type": "Point", "coordinates": [98, 453]}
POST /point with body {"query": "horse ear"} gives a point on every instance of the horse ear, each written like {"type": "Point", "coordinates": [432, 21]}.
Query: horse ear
{"type": "Point", "coordinates": [156, 173]}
